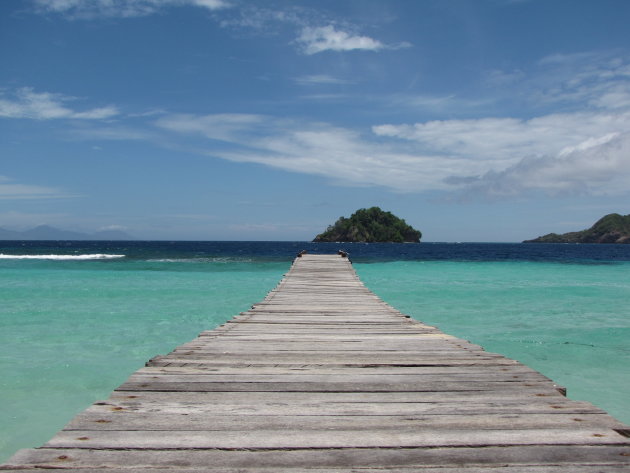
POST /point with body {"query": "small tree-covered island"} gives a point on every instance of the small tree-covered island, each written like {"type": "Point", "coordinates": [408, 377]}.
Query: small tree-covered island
{"type": "Point", "coordinates": [371, 225]}
{"type": "Point", "coordinates": [613, 228]}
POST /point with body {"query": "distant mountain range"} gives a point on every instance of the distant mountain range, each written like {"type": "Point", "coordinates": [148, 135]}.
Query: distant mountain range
{"type": "Point", "coordinates": [46, 232]}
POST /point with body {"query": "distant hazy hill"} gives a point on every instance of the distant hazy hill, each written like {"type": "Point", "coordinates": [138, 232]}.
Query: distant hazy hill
{"type": "Point", "coordinates": [612, 228]}
{"type": "Point", "coordinates": [46, 232]}
{"type": "Point", "coordinates": [370, 225]}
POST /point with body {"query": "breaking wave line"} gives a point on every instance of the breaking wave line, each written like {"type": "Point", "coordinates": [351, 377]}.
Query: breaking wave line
{"type": "Point", "coordinates": [63, 257]}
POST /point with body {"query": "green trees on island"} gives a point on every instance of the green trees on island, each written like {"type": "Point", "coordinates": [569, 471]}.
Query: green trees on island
{"type": "Point", "coordinates": [371, 226]}
{"type": "Point", "coordinates": [612, 228]}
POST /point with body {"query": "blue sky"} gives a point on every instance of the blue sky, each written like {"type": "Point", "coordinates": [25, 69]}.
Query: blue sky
{"type": "Point", "coordinates": [487, 120]}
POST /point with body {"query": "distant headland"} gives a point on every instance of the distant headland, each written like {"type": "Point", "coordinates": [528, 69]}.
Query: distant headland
{"type": "Point", "coordinates": [613, 228]}
{"type": "Point", "coordinates": [46, 232]}
{"type": "Point", "coordinates": [371, 225]}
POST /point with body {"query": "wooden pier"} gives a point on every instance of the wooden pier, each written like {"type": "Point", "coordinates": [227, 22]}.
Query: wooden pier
{"type": "Point", "coordinates": [323, 376]}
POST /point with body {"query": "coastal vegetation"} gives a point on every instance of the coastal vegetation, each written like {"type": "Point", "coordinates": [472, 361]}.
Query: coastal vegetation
{"type": "Point", "coordinates": [613, 228]}
{"type": "Point", "coordinates": [371, 225]}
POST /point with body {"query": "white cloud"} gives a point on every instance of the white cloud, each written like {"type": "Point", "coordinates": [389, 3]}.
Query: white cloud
{"type": "Point", "coordinates": [224, 127]}
{"type": "Point", "coordinates": [338, 153]}
{"type": "Point", "coordinates": [435, 105]}
{"type": "Point", "coordinates": [120, 133]}
{"type": "Point", "coordinates": [210, 4]}
{"type": "Point", "coordinates": [89, 9]}
{"type": "Point", "coordinates": [319, 79]}
{"type": "Point", "coordinates": [312, 38]}
{"type": "Point", "coordinates": [507, 139]}
{"type": "Point", "coordinates": [615, 97]}
{"type": "Point", "coordinates": [258, 17]}
{"type": "Point", "coordinates": [327, 38]}
{"type": "Point", "coordinates": [10, 190]}
{"type": "Point", "coordinates": [598, 167]}
{"type": "Point", "coordinates": [46, 106]}
{"type": "Point", "coordinates": [562, 153]}
{"type": "Point", "coordinates": [555, 154]}
{"type": "Point", "coordinates": [592, 79]}
{"type": "Point", "coordinates": [325, 97]}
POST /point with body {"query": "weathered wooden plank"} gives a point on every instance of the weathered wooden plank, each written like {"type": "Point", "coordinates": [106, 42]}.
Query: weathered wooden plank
{"type": "Point", "coordinates": [485, 377]}
{"type": "Point", "coordinates": [337, 358]}
{"type": "Point", "coordinates": [361, 354]}
{"type": "Point", "coordinates": [314, 439]}
{"type": "Point", "coordinates": [165, 385]}
{"type": "Point", "coordinates": [348, 409]}
{"type": "Point", "coordinates": [305, 359]}
{"type": "Point", "coordinates": [414, 458]}
{"type": "Point", "coordinates": [331, 398]}
{"type": "Point", "coordinates": [512, 370]}
{"type": "Point", "coordinates": [573, 468]}
{"type": "Point", "coordinates": [192, 419]}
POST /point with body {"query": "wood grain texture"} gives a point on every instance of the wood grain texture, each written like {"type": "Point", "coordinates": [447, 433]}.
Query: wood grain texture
{"type": "Point", "coordinates": [324, 376]}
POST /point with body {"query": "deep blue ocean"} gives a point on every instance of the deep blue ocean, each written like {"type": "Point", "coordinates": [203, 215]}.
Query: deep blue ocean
{"type": "Point", "coordinates": [77, 318]}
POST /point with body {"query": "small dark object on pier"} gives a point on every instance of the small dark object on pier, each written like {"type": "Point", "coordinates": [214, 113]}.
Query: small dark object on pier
{"type": "Point", "coordinates": [303, 252]}
{"type": "Point", "coordinates": [343, 254]}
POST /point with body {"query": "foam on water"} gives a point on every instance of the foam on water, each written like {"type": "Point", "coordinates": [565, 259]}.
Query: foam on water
{"type": "Point", "coordinates": [201, 260]}
{"type": "Point", "coordinates": [62, 257]}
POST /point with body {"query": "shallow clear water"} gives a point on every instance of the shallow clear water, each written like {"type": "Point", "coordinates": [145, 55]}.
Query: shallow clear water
{"type": "Point", "coordinates": [569, 321]}
{"type": "Point", "coordinates": [73, 328]}
{"type": "Point", "coordinates": [71, 332]}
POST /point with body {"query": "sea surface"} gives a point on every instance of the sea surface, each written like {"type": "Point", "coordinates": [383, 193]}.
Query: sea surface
{"type": "Point", "coordinates": [77, 318]}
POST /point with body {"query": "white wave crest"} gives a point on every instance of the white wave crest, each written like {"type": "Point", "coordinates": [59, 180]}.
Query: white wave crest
{"type": "Point", "coordinates": [201, 260]}
{"type": "Point", "coordinates": [63, 257]}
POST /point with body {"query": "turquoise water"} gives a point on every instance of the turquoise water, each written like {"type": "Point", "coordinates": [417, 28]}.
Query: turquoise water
{"type": "Point", "coordinates": [70, 332]}
{"type": "Point", "coordinates": [73, 330]}
{"type": "Point", "coordinates": [568, 321]}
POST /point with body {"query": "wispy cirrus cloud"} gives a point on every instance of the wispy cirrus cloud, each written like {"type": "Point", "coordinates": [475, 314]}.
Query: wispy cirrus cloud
{"type": "Point", "coordinates": [312, 37]}
{"type": "Point", "coordinates": [265, 20]}
{"type": "Point", "coordinates": [311, 148]}
{"type": "Point", "coordinates": [487, 158]}
{"type": "Point", "coordinates": [595, 79]}
{"type": "Point", "coordinates": [11, 190]}
{"type": "Point", "coordinates": [26, 103]}
{"type": "Point", "coordinates": [223, 127]}
{"type": "Point", "coordinates": [315, 31]}
{"type": "Point", "coordinates": [90, 9]}
{"type": "Point", "coordinates": [582, 149]}
{"type": "Point", "coordinates": [579, 81]}
{"type": "Point", "coordinates": [507, 139]}
{"type": "Point", "coordinates": [322, 79]}
{"type": "Point", "coordinates": [122, 132]}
